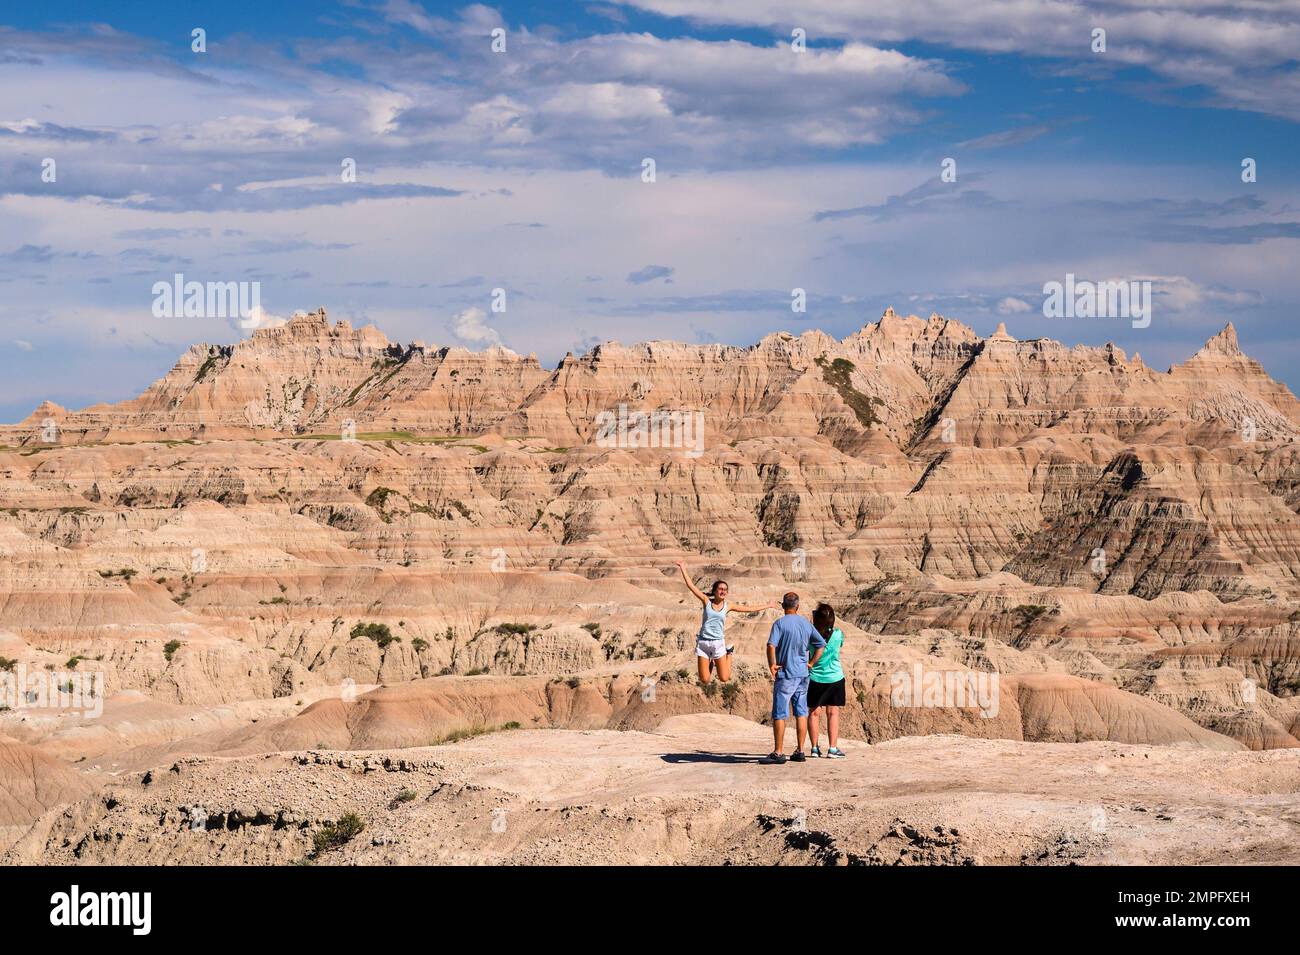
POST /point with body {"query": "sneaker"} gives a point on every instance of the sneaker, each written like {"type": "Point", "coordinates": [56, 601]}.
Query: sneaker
{"type": "Point", "coordinates": [797, 756]}
{"type": "Point", "coordinates": [815, 752]}
{"type": "Point", "coordinates": [835, 753]}
{"type": "Point", "coordinates": [731, 650]}
{"type": "Point", "coordinates": [774, 758]}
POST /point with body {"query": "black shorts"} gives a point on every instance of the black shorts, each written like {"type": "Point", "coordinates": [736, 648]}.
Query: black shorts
{"type": "Point", "coordinates": [825, 694]}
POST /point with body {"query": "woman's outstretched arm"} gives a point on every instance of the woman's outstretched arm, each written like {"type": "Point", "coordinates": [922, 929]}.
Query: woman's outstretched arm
{"type": "Point", "coordinates": [770, 605]}
{"type": "Point", "coordinates": [689, 583]}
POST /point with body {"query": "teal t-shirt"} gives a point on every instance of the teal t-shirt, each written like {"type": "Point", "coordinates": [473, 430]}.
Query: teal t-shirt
{"type": "Point", "coordinates": [828, 669]}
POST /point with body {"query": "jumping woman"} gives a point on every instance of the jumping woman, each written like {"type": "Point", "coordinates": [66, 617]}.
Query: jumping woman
{"type": "Point", "coordinates": [711, 643]}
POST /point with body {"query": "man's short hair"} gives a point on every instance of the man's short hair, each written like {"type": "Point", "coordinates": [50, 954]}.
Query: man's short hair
{"type": "Point", "coordinates": [790, 601]}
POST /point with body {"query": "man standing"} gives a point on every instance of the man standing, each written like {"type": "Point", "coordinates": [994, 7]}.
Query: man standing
{"type": "Point", "coordinates": [787, 659]}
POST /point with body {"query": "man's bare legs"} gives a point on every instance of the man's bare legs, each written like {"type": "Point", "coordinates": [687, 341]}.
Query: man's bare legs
{"type": "Point", "coordinates": [800, 732]}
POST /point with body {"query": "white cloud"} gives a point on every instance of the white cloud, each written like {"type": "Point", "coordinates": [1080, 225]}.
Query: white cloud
{"type": "Point", "coordinates": [1244, 52]}
{"type": "Point", "coordinates": [470, 325]}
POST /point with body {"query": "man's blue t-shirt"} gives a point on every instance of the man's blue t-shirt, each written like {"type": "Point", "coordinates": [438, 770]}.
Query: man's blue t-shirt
{"type": "Point", "coordinates": [793, 635]}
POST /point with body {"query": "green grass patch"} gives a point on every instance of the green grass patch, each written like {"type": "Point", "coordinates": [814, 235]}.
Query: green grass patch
{"type": "Point", "coordinates": [838, 374]}
{"type": "Point", "coordinates": [456, 736]}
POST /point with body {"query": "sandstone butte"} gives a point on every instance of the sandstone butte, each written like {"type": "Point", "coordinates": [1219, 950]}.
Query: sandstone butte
{"type": "Point", "coordinates": [292, 626]}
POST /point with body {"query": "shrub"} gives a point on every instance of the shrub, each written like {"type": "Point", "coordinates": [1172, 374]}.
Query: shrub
{"type": "Point", "coordinates": [7, 663]}
{"type": "Point", "coordinates": [378, 632]}
{"type": "Point", "coordinates": [170, 648]}
{"type": "Point", "coordinates": [419, 644]}
{"type": "Point", "coordinates": [334, 835]}
{"type": "Point", "coordinates": [406, 795]}
{"type": "Point", "coordinates": [517, 628]}
{"type": "Point", "coordinates": [730, 694]}
{"type": "Point", "coordinates": [73, 661]}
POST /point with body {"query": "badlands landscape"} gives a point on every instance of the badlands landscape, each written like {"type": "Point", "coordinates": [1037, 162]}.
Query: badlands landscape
{"type": "Point", "coordinates": [355, 601]}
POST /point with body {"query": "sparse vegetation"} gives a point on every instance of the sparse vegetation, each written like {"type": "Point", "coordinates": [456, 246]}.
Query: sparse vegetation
{"type": "Point", "coordinates": [419, 644]}
{"type": "Point", "coordinates": [378, 632]}
{"type": "Point", "coordinates": [126, 573]}
{"type": "Point", "coordinates": [730, 694]}
{"type": "Point", "coordinates": [469, 732]}
{"type": "Point", "coordinates": [838, 374]}
{"type": "Point", "coordinates": [1026, 614]}
{"type": "Point", "coordinates": [170, 648]}
{"type": "Point", "coordinates": [593, 629]}
{"type": "Point", "coordinates": [378, 499]}
{"type": "Point", "coordinates": [7, 664]}
{"type": "Point", "coordinates": [870, 593]}
{"type": "Point", "coordinates": [205, 367]}
{"type": "Point", "coordinates": [516, 628]}
{"type": "Point", "coordinates": [335, 835]}
{"type": "Point", "coordinates": [406, 795]}
{"type": "Point", "coordinates": [73, 661]}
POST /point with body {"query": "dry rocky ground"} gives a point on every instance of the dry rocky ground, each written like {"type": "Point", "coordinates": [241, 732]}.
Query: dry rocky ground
{"type": "Point", "coordinates": [463, 627]}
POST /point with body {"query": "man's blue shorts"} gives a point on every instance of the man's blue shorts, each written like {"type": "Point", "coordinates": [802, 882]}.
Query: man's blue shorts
{"type": "Point", "coordinates": [787, 691]}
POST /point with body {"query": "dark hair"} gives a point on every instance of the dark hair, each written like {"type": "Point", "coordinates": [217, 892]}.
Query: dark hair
{"type": "Point", "coordinates": [716, 584]}
{"type": "Point", "coordinates": [790, 601]}
{"type": "Point", "coordinates": [824, 620]}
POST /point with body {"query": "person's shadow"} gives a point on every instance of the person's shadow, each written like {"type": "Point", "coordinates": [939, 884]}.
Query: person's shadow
{"type": "Point", "coordinates": [700, 756]}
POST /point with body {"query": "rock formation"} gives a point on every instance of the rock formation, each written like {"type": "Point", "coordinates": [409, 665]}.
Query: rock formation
{"type": "Point", "coordinates": [320, 540]}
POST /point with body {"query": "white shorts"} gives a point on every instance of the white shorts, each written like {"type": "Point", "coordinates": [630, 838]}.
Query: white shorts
{"type": "Point", "coordinates": [711, 649]}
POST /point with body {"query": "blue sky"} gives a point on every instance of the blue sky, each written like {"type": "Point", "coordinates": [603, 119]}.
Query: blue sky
{"type": "Point", "coordinates": [521, 170]}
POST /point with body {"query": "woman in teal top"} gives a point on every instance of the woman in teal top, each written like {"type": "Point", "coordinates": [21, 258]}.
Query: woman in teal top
{"type": "Point", "coordinates": [826, 683]}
